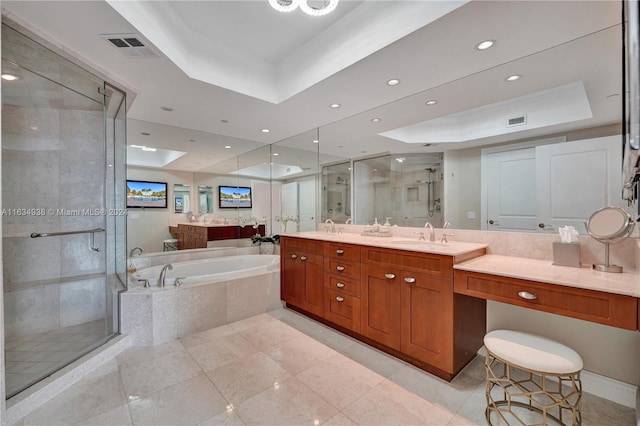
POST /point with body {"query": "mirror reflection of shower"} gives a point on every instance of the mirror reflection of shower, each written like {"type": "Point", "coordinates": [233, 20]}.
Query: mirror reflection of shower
{"type": "Point", "coordinates": [433, 203]}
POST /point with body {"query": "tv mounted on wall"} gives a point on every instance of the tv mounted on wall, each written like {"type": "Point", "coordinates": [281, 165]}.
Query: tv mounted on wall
{"type": "Point", "coordinates": [141, 193]}
{"type": "Point", "coordinates": [231, 197]}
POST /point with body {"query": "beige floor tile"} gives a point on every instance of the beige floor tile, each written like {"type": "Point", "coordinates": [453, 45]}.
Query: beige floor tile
{"type": "Point", "coordinates": [257, 321]}
{"type": "Point", "coordinates": [288, 403]}
{"type": "Point", "coordinates": [271, 334]}
{"type": "Point", "coordinates": [145, 354]}
{"type": "Point", "coordinates": [340, 380]}
{"type": "Point", "coordinates": [207, 336]}
{"type": "Point", "coordinates": [242, 379]}
{"type": "Point", "coordinates": [221, 351]}
{"type": "Point", "coordinates": [226, 418]}
{"type": "Point", "coordinates": [389, 404]}
{"type": "Point", "coordinates": [144, 378]}
{"type": "Point", "coordinates": [299, 353]}
{"type": "Point", "coordinates": [472, 410]}
{"type": "Point", "coordinates": [119, 416]}
{"type": "Point", "coordinates": [373, 359]}
{"type": "Point", "coordinates": [187, 403]}
{"type": "Point", "coordinates": [598, 411]}
{"type": "Point", "coordinates": [340, 419]}
{"type": "Point", "coordinates": [85, 400]}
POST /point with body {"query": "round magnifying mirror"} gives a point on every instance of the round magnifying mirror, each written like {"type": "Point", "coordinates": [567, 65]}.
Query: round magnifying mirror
{"type": "Point", "coordinates": [609, 225]}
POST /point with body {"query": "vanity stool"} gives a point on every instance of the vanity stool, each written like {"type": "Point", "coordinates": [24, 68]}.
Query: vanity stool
{"type": "Point", "coordinates": [531, 380]}
{"type": "Point", "coordinates": [170, 245]}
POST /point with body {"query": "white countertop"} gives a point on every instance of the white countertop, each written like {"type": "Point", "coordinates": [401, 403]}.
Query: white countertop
{"type": "Point", "coordinates": [625, 283]}
{"type": "Point", "coordinates": [452, 248]}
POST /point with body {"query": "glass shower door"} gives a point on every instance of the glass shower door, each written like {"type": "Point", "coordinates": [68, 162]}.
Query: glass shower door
{"type": "Point", "coordinates": [54, 165]}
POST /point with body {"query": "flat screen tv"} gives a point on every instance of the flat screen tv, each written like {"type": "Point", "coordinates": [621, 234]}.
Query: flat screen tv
{"type": "Point", "coordinates": [231, 197]}
{"type": "Point", "coordinates": [141, 193]}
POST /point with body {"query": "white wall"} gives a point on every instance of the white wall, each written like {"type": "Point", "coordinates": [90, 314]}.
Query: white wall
{"type": "Point", "coordinates": [462, 187]}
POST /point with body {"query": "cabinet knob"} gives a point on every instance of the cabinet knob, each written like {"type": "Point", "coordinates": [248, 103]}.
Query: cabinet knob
{"type": "Point", "coordinates": [339, 251]}
{"type": "Point", "coordinates": [340, 298]}
{"type": "Point", "coordinates": [340, 285]}
{"type": "Point", "coordinates": [410, 280]}
{"type": "Point", "coordinates": [303, 257]}
{"type": "Point", "coordinates": [390, 276]}
{"type": "Point", "coordinates": [527, 296]}
{"type": "Point", "coordinates": [340, 268]}
{"type": "Point", "coordinates": [294, 256]}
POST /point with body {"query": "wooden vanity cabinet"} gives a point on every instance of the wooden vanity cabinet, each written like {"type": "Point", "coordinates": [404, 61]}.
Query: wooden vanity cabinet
{"type": "Point", "coordinates": [301, 277]}
{"type": "Point", "coordinates": [342, 285]}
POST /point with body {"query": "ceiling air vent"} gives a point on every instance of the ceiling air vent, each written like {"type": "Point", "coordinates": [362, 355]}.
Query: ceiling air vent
{"type": "Point", "coordinates": [131, 45]}
{"type": "Point", "coordinates": [517, 121]}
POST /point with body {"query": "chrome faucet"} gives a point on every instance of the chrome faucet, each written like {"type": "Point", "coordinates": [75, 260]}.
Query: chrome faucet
{"type": "Point", "coordinates": [132, 252]}
{"type": "Point", "coordinates": [348, 221]}
{"type": "Point", "coordinates": [443, 238]}
{"type": "Point", "coordinates": [332, 230]}
{"type": "Point", "coordinates": [447, 224]}
{"type": "Point", "coordinates": [432, 233]}
{"type": "Point", "coordinates": [163, 272]}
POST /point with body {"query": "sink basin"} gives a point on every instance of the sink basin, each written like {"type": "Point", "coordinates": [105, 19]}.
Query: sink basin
{"type": "Point", "coordinates": [427, 244]}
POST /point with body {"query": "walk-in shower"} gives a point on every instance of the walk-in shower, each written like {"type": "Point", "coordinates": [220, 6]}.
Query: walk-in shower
{"type": "Point", "coordinates": [63, 223]}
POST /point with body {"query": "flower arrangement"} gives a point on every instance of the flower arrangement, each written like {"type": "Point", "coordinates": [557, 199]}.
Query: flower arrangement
{"type": "Point", "coordinates": [275, 239]}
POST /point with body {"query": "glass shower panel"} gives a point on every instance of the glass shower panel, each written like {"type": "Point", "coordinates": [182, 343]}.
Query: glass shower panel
{"type": "Point", "coordinates": [54, 222]}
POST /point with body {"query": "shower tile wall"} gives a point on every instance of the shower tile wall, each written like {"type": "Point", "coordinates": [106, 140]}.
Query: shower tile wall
{"type": "Point", "coordinates": [52, 159]}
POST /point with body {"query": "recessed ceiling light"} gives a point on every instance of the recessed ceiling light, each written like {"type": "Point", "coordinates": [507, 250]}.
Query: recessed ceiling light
{"type": "Point", "coordinates": [146, 148]}
{"type": "Point", "coordinates": [315, 141]}
{"type": "Point", "coordinates": [513, 77]}
{"type": "Point", "coordinates": [265, 130]}
{"type": "Point", "coordinates": [227, 146]}
{"type": "Point", "coordinates": [484, 45]}
{"type": "Point", "coordinates": [9, 77]}
{"type": "Point", "coordinates": [166, 108]}
{"type": "Point", "coordinates": [431, 102]}
{"type": "Point", "coordinates": [393, 82]}
{"type": "Point", "coordinates": [34, 127]}
{"type": "Point", "coordinates": [334, 106]}
{"type": "Point", "coordinates": [275, 153]}
{"type": "Point", "coordinates": [375, 120]}
{"type": "Point", "coordinates": [400, 159]}
{"type": "Point", "coordinates": [224, 121]}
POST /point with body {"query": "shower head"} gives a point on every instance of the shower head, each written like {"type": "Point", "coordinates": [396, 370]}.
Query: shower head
{"type": "Point", "coordinates": [431, 170]}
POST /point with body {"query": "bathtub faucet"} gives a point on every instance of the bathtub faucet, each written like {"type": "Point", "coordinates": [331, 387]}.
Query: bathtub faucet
{"type": "Point", "coordinates": [163, 272]}
{"type": "Point", "coordinates": [133, 251]}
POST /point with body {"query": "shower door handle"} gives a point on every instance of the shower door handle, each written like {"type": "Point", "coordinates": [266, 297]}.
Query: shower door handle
{"type": "Point", "coordinates": [494, 222]}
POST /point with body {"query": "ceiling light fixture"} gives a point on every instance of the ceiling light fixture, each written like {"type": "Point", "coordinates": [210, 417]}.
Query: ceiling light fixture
{"type": "Point", "coordinates": [513, 77]}
{"type": "Point", "coordinates": [484, 45]}
{"type": "Point", "coordinates": [375, 120]}
{"type": "Point", "coordinates": [287, 6]}
{"type": "Point", "coordinates": [146, 148]}
{"type": "Point", "coordinates": [265, 130]}
{"type": "Point", "coordinates": [431, 102]}
{"type": "Point", "coordinates": [227, 147]}
{"type": "Point", "coordinates": [334, 106]}
{"type": "Point", "coordinates": [9, 77]}
{"type": "Point", "coordinates": [393, 82]}
{"type": "Point", "coordinates": [315, 141]}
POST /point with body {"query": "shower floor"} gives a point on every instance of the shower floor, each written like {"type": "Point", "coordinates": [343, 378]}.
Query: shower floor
{"type": "Point", "coordinates": [30, 358]}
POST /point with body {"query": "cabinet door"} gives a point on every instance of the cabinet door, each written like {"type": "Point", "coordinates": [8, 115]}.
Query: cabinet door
{"type": "Point", "coordinates": [427, 319]}
{"type": "Point", "coordinates": [313, 283]}
{"type": "Point", "coordinates": [291, 278]}
{"type": "Point", "coordinates": [380, 304]}
{"type": "Point", "coordinates": [342, 309]}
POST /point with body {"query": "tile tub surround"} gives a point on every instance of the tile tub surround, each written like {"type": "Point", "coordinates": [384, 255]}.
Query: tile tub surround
{"type": "Point", "coordinates": [277, 368]}
{"type": "Point", "coordinates": [157, 315]}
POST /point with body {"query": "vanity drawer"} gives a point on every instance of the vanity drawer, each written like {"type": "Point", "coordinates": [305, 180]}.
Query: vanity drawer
{"type": "Point", "coordinates": [342, 251]}
{"type": "Point", "coordinates": [426, 263]}
{"type": "Point", "coordinates": [597, 306]}
{"type": "Point", "coordinates": [342, 284]}
{"type": "Point", "coordinates": [301, 244]}
{"type": "Point", "coordinates": [342, 309]}
{"type": "Point", "coordinates": [342, 268]}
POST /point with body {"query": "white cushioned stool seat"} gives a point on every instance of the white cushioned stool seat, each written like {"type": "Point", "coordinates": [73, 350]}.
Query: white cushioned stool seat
{"type": "Point", "coordinates": [533, 352]}
{"type": "Point", "coordinates": [531, 380]}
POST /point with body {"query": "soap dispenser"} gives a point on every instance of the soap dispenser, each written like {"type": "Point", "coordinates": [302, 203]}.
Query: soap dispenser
{"type": "Point", "coordinates": [386, 227]}
{"type": "Point", "coordinates": [376, 225]}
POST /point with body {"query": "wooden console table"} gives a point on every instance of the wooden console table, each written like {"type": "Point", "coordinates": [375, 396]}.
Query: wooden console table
{"type": "Point", "coordinates": [197, 236]}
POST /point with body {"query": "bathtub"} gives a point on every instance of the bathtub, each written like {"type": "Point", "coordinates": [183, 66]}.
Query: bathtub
{"type": "Point", "coordinates": [214, 292]}
{"type": "Point", "coordinates": [211, 270]}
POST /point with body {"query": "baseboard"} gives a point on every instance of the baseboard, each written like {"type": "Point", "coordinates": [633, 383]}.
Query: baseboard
{"type": "Point", "coordinates": [611, 389]}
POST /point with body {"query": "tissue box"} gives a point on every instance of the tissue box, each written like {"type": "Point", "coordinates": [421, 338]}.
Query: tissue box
{"type": "Point", "coordinates": [566, 254]}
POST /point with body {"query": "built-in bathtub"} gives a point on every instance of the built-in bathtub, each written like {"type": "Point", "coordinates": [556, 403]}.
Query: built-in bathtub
{"type": "Point", "coordinates": [213, 292]}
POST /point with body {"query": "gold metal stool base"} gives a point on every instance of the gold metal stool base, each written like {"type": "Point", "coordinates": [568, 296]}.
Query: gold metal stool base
{"type": "Point", "coordinates": [540, 397]}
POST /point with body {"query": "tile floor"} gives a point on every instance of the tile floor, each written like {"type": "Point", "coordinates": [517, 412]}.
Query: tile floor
{"type": "Point", "coordinates": [29, 358]}
{"type": "Point", "coordinates": [278, 368]}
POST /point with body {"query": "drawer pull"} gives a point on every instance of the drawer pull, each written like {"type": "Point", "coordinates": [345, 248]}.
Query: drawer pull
{"type": "Point", "coordinates": [340, 298]}
{"type": "Point", "coordinates": [294, 256]}
{"type": "Point", "coordinates": [340, 268]}
{"type": "Point", "coordinates": [410, 280]}
{"type": "Point", "coordinates": [339, 251]}
{"type": "Point", "coordinates": [303, 257]}
{"type": "Point", "coordinates": [527, 296]}
{"type": "Point", "coordinates": [390, 276]}
{"type": "Point", "coordinates": [340, 285]}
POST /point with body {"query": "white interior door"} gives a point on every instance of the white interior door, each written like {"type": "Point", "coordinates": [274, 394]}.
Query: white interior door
{"type": "Point", "coordinates": [575, 179]}
{"type": "Point", "coordinates": [307, 204]}
{"type": "Point", "coordinates": [509, 190]}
